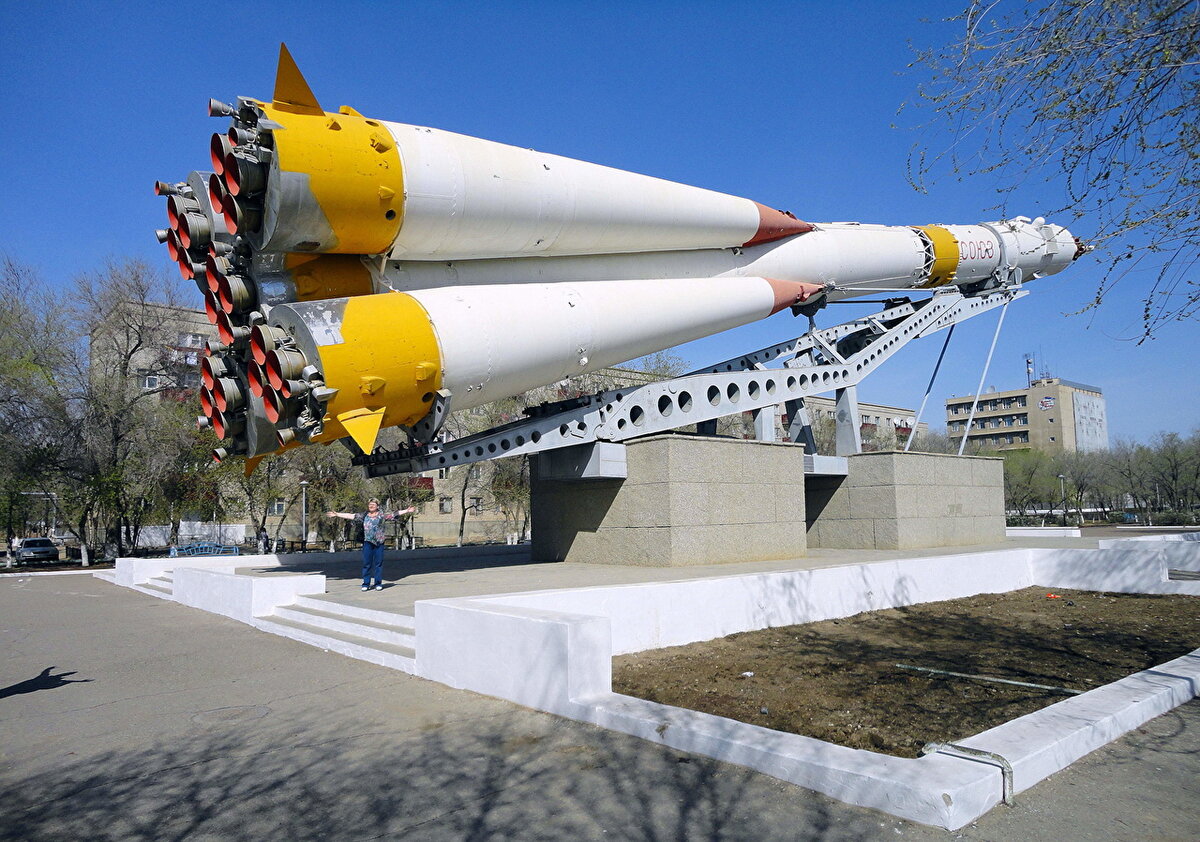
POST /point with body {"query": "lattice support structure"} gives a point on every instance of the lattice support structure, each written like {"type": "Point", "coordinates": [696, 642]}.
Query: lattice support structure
{"type": "Point", "coordinates": [834, 359]}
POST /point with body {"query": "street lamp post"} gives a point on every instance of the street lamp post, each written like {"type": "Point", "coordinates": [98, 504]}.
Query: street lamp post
{"type": "Point", "coordinates": [303, 515]}
{"type": "Point", "coordinates": [1062, 485]}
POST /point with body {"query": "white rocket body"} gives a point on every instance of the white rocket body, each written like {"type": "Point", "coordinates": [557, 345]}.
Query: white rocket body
{"type": "Point", "coordinates": [499, 340]}
{"type": "Point", "coordinates": [360, 271]}
{"type": "Point", "coordinates": [852, 259]}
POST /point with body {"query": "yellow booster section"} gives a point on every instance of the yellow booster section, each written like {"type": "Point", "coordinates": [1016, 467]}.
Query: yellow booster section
{"type": "Point", "coordinates": [381, 353]}
{"type": "Point", "coordinates": [342, 167]}
{"type": "Point", "coordinates": [328, 276]}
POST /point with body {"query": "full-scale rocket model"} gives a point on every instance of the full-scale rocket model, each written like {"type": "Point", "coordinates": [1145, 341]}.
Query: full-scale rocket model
{"type": "Point", "coordinates": [362, 272]}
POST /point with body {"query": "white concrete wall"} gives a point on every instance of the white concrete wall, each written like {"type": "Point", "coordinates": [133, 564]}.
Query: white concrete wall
{"type": "Point", "coordinates": [1136, 568]}
{"type": "Point", "coordinates": [1042, 532]}
{"type": "Point", "coordinates": [138, 571]}
{"type": "Point", "coordinates": [547, 659]}
{"type": "Point", "coordinates": [241, 597]}
{"type": "Point", "coordinates": [651, 616]}
{"type": "Point", "coordinates": [552, 650]}
{"type": "Point", "coordinates": [1178, 550]}
{"type": "Point", "coordinates": [192, 531]}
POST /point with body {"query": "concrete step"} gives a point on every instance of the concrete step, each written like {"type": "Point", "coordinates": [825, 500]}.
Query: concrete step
{"type": "Point", "coordinates": [159, 584]}
{"type": "Point", "coordinates": [106, 575]}
{"type": "Point", "coordinates": [385, 654]}
{"type": "Point", "coordinates": [374, 615]}
{"type": "Point", "coordinates": [153, 590]}
{"type": "Point", "coordinates": [395, 632]}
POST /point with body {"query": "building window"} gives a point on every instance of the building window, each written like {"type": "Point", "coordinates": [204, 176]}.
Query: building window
{"type": "Point", "coordinates": [477, 504]}
{"type": "Point", "coordinates": [191, 340]}
{"type": "Point", "coordinates": [443, 473]}
{"type": "Point", "coordinates": [445, 505]}
{"type": "Point", "coordinates": [147, 380]}
{"type": "Point", "coordinates": [475, 471]}
{"type": "Point", "coordinates": [276, 507]}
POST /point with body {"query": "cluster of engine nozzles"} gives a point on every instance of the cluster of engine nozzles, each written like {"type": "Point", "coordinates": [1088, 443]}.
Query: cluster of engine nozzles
{"type": "Point", "coordinates": [269, 368]}
{"type": "Point", "coordinates": [210, 217]}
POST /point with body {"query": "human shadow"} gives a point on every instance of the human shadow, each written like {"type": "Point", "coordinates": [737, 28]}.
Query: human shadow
{"type": "Point", "coordinates": [399, 564]}
{"type": "Point", "coordinates": [43, 681]}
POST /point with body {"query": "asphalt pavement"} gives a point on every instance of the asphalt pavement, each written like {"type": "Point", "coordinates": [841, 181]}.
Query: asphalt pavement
{"type": "Point", "coordinates": [123, 716]}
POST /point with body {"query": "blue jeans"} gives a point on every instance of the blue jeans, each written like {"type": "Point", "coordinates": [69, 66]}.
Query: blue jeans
{"type": "Point", "coordinates": [372, 563]}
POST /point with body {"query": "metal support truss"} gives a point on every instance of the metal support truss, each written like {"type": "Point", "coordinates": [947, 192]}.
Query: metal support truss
{"type": "Point", "coordinates": [834, 359]}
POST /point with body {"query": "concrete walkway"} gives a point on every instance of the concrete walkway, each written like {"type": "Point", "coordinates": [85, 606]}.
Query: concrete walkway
{"type": "Point", "coordinates": [408, 577]}
{"type": "Point", "coordinates": [128, 717]}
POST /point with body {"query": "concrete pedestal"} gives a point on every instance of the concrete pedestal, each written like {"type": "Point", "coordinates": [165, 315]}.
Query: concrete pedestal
{"type": "Point", "coordinates": [687, 500]}
{"type": "Point", "coordinates": [900, 501]}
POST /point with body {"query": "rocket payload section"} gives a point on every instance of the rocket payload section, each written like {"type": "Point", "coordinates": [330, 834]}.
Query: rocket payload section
{"type": "Point", "coordinates": [361, 272]}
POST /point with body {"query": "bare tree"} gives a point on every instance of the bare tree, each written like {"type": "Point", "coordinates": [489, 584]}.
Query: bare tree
{"type": "Point", "coordinates": [1098, 95]}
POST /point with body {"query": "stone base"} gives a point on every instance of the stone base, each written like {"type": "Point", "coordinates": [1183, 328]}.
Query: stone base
{"type": "Point", "coordinates": [900, 501]}
{"type": "Point", "coordinates": [687, 500]}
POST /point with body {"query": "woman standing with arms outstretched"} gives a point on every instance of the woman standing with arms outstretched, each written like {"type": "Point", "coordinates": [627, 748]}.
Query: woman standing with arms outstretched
{"type": "Point", "coordinates": [372, 521]}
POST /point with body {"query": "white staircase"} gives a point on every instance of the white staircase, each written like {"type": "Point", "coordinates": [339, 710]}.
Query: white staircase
{"type": "Point", "coordinates": [161, 586]}
{"type": "Point", "coordinates": [380, 637]}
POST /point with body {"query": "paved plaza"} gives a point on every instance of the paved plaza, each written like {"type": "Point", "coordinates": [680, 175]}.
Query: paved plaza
{"type": "Point", "coordinates": [123, 716]}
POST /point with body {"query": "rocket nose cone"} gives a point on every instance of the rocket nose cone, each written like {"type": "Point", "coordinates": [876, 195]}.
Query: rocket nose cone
{"type": "Point", "coordinates": [775, 225]}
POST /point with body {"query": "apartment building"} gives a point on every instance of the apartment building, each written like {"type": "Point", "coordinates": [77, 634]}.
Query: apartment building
{"type": "Point", "coordinates": [1052, 414]}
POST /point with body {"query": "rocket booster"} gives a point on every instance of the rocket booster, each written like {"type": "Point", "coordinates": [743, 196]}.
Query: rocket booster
{"type": "Point", "coordinates": [363, 273]}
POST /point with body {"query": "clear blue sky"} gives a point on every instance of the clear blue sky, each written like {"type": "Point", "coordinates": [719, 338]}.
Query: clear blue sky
{"type": "Point", "coordinates": [788, 104]}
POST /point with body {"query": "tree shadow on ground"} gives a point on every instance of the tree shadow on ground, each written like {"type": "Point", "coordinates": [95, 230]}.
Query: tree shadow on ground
{"type": "Point", "coordinates": [514, 776]}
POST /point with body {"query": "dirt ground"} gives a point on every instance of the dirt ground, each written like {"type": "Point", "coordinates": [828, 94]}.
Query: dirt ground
{"type": "Point", "coordinates": [839, 681]}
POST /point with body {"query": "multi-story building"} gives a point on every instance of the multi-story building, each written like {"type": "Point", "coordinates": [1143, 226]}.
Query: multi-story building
{"type": "Point", "coordinates": [880, 425]}
{"type": "Point", "coordinates": [1051, 414]}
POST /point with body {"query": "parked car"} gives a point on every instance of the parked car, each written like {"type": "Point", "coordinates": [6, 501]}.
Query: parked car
{"type": "Point", "coordinates": [37, 549]}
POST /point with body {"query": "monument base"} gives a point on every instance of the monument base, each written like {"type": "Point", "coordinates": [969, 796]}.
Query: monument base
{"type": "Point", "coordinates": [899, 501]}
{"type": "Point", "coordinates": [687, 500]}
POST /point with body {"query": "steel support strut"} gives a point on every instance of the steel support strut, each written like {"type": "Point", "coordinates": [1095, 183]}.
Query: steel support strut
{"type": "Point", "coordinates": [834, 359]}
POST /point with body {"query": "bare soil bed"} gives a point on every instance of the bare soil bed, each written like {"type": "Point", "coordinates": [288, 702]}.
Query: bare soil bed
{"type": "Point", "coordinates": [839, 681]}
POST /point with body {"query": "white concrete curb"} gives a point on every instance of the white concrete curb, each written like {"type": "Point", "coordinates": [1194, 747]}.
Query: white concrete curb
{"type": "Point", "coordinates": [1042, 532]}
{"type": "Point", "coordinates": [552, 650]}
{"type": "Point", "coordinates": [57, 572]}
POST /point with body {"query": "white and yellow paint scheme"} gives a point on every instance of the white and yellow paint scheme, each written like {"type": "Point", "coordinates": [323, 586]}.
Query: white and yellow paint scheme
{"type": "Point", "coordinates": [388, 265]}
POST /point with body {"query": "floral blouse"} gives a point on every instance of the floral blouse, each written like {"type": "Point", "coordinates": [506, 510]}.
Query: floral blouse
{"type": "Point", "coordinates": [373, 526]}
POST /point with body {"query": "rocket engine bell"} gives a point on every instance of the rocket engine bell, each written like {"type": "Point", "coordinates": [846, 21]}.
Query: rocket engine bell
{"type": "Point", "coordinates": [360, 271]}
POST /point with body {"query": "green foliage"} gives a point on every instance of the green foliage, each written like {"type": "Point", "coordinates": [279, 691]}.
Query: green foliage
{"type": "Point", "coordinates": [1023, 520]}
{"type": "Point", "coordinates": [1174, 519]}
